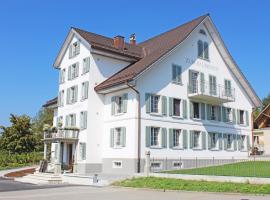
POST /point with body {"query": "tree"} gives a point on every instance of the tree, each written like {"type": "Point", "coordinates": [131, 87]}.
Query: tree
{"type": "Point", "coordinates": [266, 101]}
{"type": "Point", "coordinates": [44, 116]}
{"type": "Point", "coordinates": [19, 137]}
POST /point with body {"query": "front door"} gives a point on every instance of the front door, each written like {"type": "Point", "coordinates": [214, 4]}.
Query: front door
{"type": "Point", "coordinates": [70, 156]}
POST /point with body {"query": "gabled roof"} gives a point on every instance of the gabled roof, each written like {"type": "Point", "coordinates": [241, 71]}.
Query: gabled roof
{"type": "Point", "coordinates": [264, 117]}
{"type": "Point", "coordinates": [153, 49]}
{"type": "Point", "coordinates": [51, 103]}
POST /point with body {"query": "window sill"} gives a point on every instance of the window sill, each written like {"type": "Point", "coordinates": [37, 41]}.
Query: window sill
{"type": "Point", "coordinates": [205, 59]}
{"type": "Point", "coordinates": [177, 83]}
{"type": "Point", "coordinates": [84, 73]}
{"type": "Point", "coordinates": [118, 114]}
{"type": "Point", "coordinates": [83, 99]}
{"type": "Point", "coordinates": [214, 121]}
{"type": "Point", "coordinates": [197, 149]}
{"type": "Point", "coordinates": [177, 117]}
{"type": "Point", "coordinates": [214, 149]}
{"type": "Point", "coordinates": [177, 148]}
{"type": "Point", "coordinates": [156, 114]}
{"type": "Point", "coordinates": [196, 119]}
{"type": "Point", "coordinates": [118, 147]}
{"type": "Point", "coordinates": [155, 147]}
{"type": "Point", "coordinates": [230, 150]}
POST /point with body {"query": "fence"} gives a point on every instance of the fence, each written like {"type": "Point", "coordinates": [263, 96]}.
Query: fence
{"type": "Point", "coordinates": [216, 166]}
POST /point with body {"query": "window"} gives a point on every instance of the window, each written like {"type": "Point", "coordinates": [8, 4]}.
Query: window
{"type": "Point", "coordinates": [213, 113]}
{"type": "Point", "coordinates": [229, 115]}
{"type": "Point", "coordinates": [256, 140]}
{"type": "Point", "coordinates": [196, 139]}
{"type": "Point", "coordinates": [154, 137]}
{"type": "Point", "coordinates": [177, 138]}
{"type": "Point", "coordinates": [242, 142]}
{"type": "Point", "coordinates": [155, 104]}
{"type": "Point", "coordinates": [155, 165]}
{"type": "Point", "coordinates": [61, 98]}
{"type": "Point", "coordinates": [118, 137]}
{"type": "Point", "coordinates": [213, 85]}
{"type": "Point", "coordinates": [228, 88]}
{"type": "Point", "coordinates": [203, 50]}
{"type": "Point", "coordinates": [229, 141]}
{"type": "Point", "coordinates": [241, 114]}
{"type": "Point", "coordinates": [60, 121]}
{"type": "Point", "coordinates": [202, 32]}
{"type": "Point", "coordinates": [82, 151]}
{"type": "Point", "coordinates": [84, 93]}
{"type": "Point", "coordinates": [193, 81]}
{"type": "Point", "coordinates": [196, 110]}
{"type": "Point", "coordinates": [176, 74]}
{"type": "Point", "coordinates": [177, 164]}
{"type": "Point", "coordinates": [72, 94]}
{"type": "Point", "coordinates": [74, 49]}
{"type": "Point", "coordinates": [71, 120]}
{"type": "Point", "coordinates": [62, 76]}
{"type": "Point", "coordinates": [83, 120]}
{"type": "Point", "coordinates": [86, 65]}
{"type": "Point", "coordinates": [176, 107]}
{"type": "Point", "coordinates": [73, 71]}
{"type": "Point", "coordinates": [119, 104]}
{"type": "Point", "coordinates": [117, 164]}
{"type": "Point", "coordinates": [213, 140]}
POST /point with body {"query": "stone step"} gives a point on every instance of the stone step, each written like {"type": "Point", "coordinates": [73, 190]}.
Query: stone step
{"type": "Point", "coordinates": [41, 178]}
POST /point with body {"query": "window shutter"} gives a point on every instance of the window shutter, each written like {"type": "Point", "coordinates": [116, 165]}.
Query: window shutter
{"type": "Point", "coordinates": [67, 124]}
{"type": "Point", "coordinates": [191, 139]}
{"type": "Point", "coordinates": [209, 141]}
{"type": "Point", "coordinates": [206, 50]}
{"type": "Point", "coordinates": [69, 72]}
{"type": "Point", "coordinates": [203, 140]}
{"type": "Point", "coordinates": [170, 138]}
{"type": "Point", "coordinates": [202, 83]}
{"type": "Point", "coordinates": [76, 93]}
{"type": "Point", "coordinates": [202, 111]}
{"type": "Point", "coordinates": [85, 119]}
{"type": "Point", "coordinates": [112, 137]}
{"type": "Point", "coordinates": [125, 101]}
{"type": "Point", "coordinates": [184, 108]}
{"type": "Point", "coordinates": [239, 141]}
{"type": "Point", "coordinates": [234, 142]}
{"type": "Point", "coordinates": [220, 141]}
{"type": "Point", "coordinates": [86, 65]}
{"type": "Point", "coordinates": [164, 105]}
{"type": "Point", "coordinates": [147, 136]}
{"type": "Point", "coordinates": [83, 151]}
{"type": "Point", "coordinates": [86, 89]}
{"type": "Point", "coordinates": [208, 112]}
{"type": "Point", "coordinates": [234, 116]}
{"type": "Point", "coordinates": [77, 69]}
{"type": "Point", "coordinates": [185, 139]}
{"type": "Point", "coordinates": [74, 120]}
{"type": "Point", "coordinates": [147, 102]}
{"type": "Point", "coordinates": [77, 50]}
{"type": "Point", "coordinates": [248, 142]}
{"type": "Point", "coordinates": [68, 96]}
{"type": "Point", "coordinates": [174, 73]}
{"type": "Point", "coordinates": [238, 116]}
{"type": "Point", "coordinates": [191, 110]}
{"type": "Point", "coordinates": [113, 105]}
{"type": "Point", "coordinates": [219, 113]}
{"type": "Point", "coordinates": [225, 141]}
{"type": "Point", "coordinates": [81, 120]}
{"type": "Point", "coordinates": [123, 136]}
{"type": "Point", "coordinates": [70, 51]}
{"type": "Point", "coordinates": [179, 73]}
{"type": "Point", "coordinates": [164, 137]}
{"type": "Point", "coordinates": [200, 49]}
{"type": "Point", "coordinates": [224, 114]}
{"type": "Point", "coordinates": [170, 106]}
{"type": "Point", "coordinates": [247, 118]}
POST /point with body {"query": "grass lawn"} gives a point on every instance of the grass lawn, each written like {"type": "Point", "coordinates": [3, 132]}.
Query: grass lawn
{"type": "Point", "coordinates": [243, 169]}
{"type": "Point", "coordinates": [187, 185]}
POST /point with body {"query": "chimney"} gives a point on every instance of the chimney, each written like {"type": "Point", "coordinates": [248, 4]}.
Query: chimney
{"type": "Point", "coordinates": [119, 42]}
{"type": "Point", "coordinates": [132, 39]}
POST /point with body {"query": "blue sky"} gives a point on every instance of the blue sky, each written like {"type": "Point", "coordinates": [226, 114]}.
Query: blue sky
{"type": "Point", "coordinates": [32, 33]}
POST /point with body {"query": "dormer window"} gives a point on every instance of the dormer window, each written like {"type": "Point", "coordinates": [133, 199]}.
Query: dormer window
{"type": "Point", "coordinates": [74, 49]}
{"type": "Point", "coordinates": [203, 50]}
{"type": "Point", "coordinates": [202, 32]}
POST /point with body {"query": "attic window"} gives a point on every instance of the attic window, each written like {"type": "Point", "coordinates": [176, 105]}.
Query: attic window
{"type": "Point", "coordinates": [202, 32]}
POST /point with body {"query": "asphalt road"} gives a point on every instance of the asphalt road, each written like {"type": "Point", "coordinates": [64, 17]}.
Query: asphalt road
{"type": "Point", "coordinates": [10, 185]}
{"type": "Point", "coordinates": [111, 193]}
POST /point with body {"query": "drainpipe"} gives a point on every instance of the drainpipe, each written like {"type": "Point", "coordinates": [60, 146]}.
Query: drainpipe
{"type": "Point", "coordinates": [139, 128]}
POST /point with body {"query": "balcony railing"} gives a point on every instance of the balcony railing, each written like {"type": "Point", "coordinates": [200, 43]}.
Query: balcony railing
{"type": "Point", "coordinates": [62, 134]}
{"type": "Point", "coordinates": [207, 91]}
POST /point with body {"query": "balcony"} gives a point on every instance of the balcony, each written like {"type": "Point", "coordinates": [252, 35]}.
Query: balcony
{"type": "Point", "coordinates": [62, 135]}
{"type": "Point", "coordinates": [217, 94]}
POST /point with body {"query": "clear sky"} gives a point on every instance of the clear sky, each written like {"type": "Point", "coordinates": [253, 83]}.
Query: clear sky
{"type": "Point", "coordinates": [32, 33]}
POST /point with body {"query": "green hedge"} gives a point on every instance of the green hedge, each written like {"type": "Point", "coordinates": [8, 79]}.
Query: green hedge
{"type": "Point", "coordinates": [19, 160]}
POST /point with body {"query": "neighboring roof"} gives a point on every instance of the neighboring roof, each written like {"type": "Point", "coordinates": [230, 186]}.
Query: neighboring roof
{"type": "Point", "coordinates": [51, 103]}
{"type": "Point", "coordinates": [263, 117]}
{"type": "Point", "coordinates": [105, 43]}
{"type": "Point", "coordinates": [154, 48]}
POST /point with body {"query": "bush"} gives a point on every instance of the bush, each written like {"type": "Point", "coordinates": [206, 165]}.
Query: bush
{"type": "Point", "coordinates": [19, 160]}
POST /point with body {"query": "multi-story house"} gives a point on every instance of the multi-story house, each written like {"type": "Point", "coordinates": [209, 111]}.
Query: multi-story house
{"type": "Point", "coordinates": [178, 94]}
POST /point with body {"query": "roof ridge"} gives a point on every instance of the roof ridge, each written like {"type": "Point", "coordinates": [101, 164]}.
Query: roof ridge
{"type": "Point", "coordinates": [171, 30]}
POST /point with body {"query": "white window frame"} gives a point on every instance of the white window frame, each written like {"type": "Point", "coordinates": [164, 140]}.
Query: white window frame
{"type": "Point", "coordinates": [72, 95]}
{"type": "Point", "coordinates": [198, 146]}
{"type": "Point", "coordinates": [231, 147]}
{"type": "Point", "coordinates": [83, 120]}
{"type": "Point", "coordinates": [61, 98]}
{"type": "Point", "coordinates": [62, 76]}
{"type": "Point", "coordinates": [71, 119]}
{"type": "Point", "coordinates": [180, 138]}
{"type": "Point", "coordinates": [156, 141]}
{"type": "Point", "coordinates": [215, 135]}
{"type": "Point", "coordinates": [117, 138]}
{"type": "Point", "coordinates": [73, 69]}
{"type": "Point", "coordinates": [83, 150]}
{"type": "Point", "coordinates": [158, 106]}
{"type": "Point", "coordinates": [86, 68]}
{"type": "Point", "coordinates": [119, 105]}
{"type": "Point", "coordinates": [74, 50]}
{"type": "Point", "coordinates": [243, 140]}
{"type": "Point", "coordinates": [84, 90]}
{"type": "Point", "coordinates": [229, 115]}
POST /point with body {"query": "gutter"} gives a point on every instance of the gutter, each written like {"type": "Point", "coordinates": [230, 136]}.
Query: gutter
{"type": "Point", "coordinates": [139, 128]}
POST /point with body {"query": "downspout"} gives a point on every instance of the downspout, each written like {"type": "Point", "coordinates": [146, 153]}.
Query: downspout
{"type": "Point", "coordinates": [139, 127]}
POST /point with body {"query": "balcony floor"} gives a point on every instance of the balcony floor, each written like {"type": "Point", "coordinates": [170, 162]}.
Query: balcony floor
{"type": "Point", "coordinates": [209, 99]}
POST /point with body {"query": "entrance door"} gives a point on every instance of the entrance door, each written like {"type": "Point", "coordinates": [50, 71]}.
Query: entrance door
{"type": "Point", "coordinates": [70, 156]}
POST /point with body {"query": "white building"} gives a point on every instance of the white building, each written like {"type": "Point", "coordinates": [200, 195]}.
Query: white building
{"type": "Point", "coordinates": [179, 95]}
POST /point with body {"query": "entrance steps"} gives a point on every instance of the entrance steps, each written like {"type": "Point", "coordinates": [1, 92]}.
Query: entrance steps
{"type": "Point", "coordinates": [41, 178]}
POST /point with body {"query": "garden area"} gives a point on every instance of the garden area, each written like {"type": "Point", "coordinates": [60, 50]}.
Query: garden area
{"type": "Point", "coordinates": [241, 169]}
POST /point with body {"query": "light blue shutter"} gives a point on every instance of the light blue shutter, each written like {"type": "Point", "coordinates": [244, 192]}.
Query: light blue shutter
{"type": "Point", "coordinates": [173, 73]}
{"type": "Point", "coordinates": [202, 111]}
{"type": "Point", "coordinates": [112, 137]}
{"type": "Point", "coordinates": [125, 101]}
{"type": "Point", "coordinates": [113, 105]}
{"type": "Point", "coordinates": [86, 89]}
{"type": "Point", "coordinates": [67, 121]}
{"type": "Point", "coordinates": [81, 120]}
{"type": "Point", "coordinates": [200, 49]}
{"type": "Point", "coordinates": [170, 106]}
{"type": "Point", "coordinates": [239, 141]}
{"type": "Point", "coordinates": [123, 136]}
{"type": "Point", "coordinates": [184, 108]}
{"type": "Point", "coordinates": [219, 113]}
{"type": "Point", "coordinates": [206, 51]}
{"type": "Point", "coordinates": [77, 69]}
{"type": "Point", "coordinates": [77, 50]}
{"type": "Point", "coordinates": [76, 93]}
{"type": "Point", "coordinates": [247, 118]}
{"type": "Point", "coordinates": [191, 139]}
{"type": "Point", "coordinates": [70, 51]}
{"type": "Point", "coordinates": [185, 139]}
{"type": "Point", "coordinates": [86, 64]}
{"type": "Point", "coordinates": [238, 116]}
{"type": "Point", "coordinates": [209, 141]}
{"type": "Point", "coordinates": [191, 110]}
{"type": "Point", "coordinates": [68, 96]}
{"type": "Point", "coordinates": [179, 73]}
{"type": "Point", "coordinates": [164, 105]}
{"type": "Point", "coordinates": [224, 114]}
{"type": "Point", "coordinates": [164, 137]}
{"type": "Point", "coordinates": [74, 120]}
{"type": "Point", "coordinates": [208, 112]}
{"type": "Point", "coordinates": [225, 141]}
{"type": "Point", "coordinates": [203, 140]}
{"type": "Point", "coordinates": [171, 138]}
{"type": "Point", "coordinates": [147, 136]}
{"type": "Point", "coordinates": [69, 72]}
{"type": "Point", "coordinates": [234, 142]}
{"type": "Point", "coordinates": [202, 82]}
{"type": "Point", "coordinates": [147, 102]}
{"type": "Point", "coordinates": [248, 142]}
{"type": "Point", "coordinates": [220, 141]}
{"type": "Point", "coordinates": [234, 116]}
